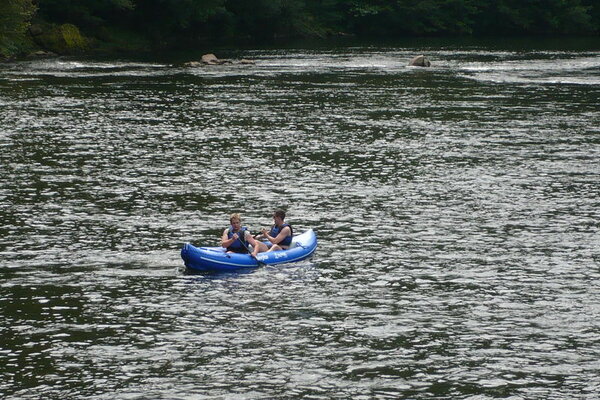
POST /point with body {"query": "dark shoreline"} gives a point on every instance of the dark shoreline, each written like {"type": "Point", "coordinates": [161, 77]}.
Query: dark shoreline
{"type": "Point", "coordinates": [229, 50]}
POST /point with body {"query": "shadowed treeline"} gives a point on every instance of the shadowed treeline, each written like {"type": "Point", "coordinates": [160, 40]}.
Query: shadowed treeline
{"type": "Point", "coordinates": [143, 24]}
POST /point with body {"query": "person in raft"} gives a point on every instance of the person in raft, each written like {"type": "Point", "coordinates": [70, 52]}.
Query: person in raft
{"type": "Point", "coordinates": [236, 238]}
{"type": "Point", "coordinates": [280, 235]}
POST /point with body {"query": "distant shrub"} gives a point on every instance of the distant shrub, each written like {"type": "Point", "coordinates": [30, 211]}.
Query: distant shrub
{"type": "Point", "coordinates": [63, 39]}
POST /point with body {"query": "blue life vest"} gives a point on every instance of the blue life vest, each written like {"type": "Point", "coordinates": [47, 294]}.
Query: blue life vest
{"type": "Point", "coordinates": [286, 240]}
{"type": "Point", "coordinates": [237, 246]}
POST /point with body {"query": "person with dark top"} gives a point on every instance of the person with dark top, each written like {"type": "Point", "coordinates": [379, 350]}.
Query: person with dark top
{"type": "Point", "coordinates": [280, 235]}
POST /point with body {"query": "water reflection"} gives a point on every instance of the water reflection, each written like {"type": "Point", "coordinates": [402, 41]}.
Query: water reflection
{"type": "Point", "coordinates": [456, 209]}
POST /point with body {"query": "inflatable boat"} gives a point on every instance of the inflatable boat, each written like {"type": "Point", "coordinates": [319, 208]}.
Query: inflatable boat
{"type": "Point", "coordinates": [216, 259]}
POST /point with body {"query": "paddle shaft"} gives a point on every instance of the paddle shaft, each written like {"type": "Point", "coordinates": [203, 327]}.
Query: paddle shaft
{"type": "Point", "coordinates": [242, 241]}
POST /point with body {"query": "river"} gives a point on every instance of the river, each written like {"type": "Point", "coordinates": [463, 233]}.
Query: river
{"type": "Point", "coordinates": [457, 209]}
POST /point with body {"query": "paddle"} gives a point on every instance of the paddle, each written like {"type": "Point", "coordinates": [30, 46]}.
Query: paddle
{"type": "Point", "coordinates": [243, 242]}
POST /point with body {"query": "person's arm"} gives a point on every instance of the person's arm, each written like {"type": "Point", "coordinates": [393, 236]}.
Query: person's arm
{"type": "Point", "coordinates": [225, 241]}
{"type": "Point", "coordinates": [251, 239]}
{"type": "Point", "coordinates": [285, 232]}
{"type": "Point", "coordinates": [260, 235]}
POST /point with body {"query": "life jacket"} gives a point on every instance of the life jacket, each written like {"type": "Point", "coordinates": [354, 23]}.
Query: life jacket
{"type": "Point", "coordinates": [238, 245]}
{"type": "Point", "coordinates": [286, 240]}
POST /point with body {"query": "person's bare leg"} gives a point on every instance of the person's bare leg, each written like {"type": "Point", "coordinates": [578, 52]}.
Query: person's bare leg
{"type": "Point", "coordinates": [275, 247]}
{"type": "Point", "coordinates": [257, 247]}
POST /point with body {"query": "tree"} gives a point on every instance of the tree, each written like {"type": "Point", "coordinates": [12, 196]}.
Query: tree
{"type": "Point", "coordinates": [265, 20]}
{"type": "Point", "coordinates": [535, 17]}
{"type": "Point", "coordinates": [410, 17]}
{"type": "Point", "coordinates": [15, 18]}
{"type": "Point", "coordinates": [169, 18]}
{"type": "Point", "coordinates": [87, 14]}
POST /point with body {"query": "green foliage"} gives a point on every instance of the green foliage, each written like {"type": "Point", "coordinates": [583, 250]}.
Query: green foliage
{"type": "Point", "coordinates": [131, 24]}
{"type": "Point", "coordinates": [413, 17]}
{"type": "Point", "coordinates": [63, 39]}
{"type": "Point", "coordinates": [180, 14]}
{"type": "Point", "coordinates": [269, 19]}
{"type": "Point", "coordinates": [537, 17]}
{"type": "Point", "coordinates": [15, 17]}
{"type": "Point", "coordinates": [475, 16]}
{"type": "Point", "coordinates": [85, 13]}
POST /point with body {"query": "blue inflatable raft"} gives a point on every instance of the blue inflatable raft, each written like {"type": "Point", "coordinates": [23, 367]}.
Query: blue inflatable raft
{"type": "Point", "coordinates": [216, 259]}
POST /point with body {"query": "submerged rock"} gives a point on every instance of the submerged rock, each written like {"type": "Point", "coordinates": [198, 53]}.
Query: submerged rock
{"type": "Point", "coordinates": [42, 54]}
{"type": "Point", "coordinates": [211, 59]}
{"type": "Point", "coordinates": [420, 61]}
{"type": "Point", "coordinates": [193, 64]}
{"type": "Point", "coordinates": [36, 30]}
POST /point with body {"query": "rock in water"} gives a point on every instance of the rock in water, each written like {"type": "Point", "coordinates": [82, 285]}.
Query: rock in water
{"type": "Point", "coordinates": [210, 59]}
{"type": "Point", "coordinates": [420, 61]}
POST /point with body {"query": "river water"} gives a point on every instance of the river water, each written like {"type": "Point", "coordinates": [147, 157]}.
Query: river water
{"type": "Point", "coordinates": [457, 210]}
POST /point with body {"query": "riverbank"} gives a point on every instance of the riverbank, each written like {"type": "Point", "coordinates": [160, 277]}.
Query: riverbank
{"type": "Point", "coordinates": [135, 47]}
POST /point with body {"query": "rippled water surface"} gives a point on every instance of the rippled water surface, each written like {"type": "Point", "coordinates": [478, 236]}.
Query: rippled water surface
{"type": "Point", "coordinates": [457, 210]}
